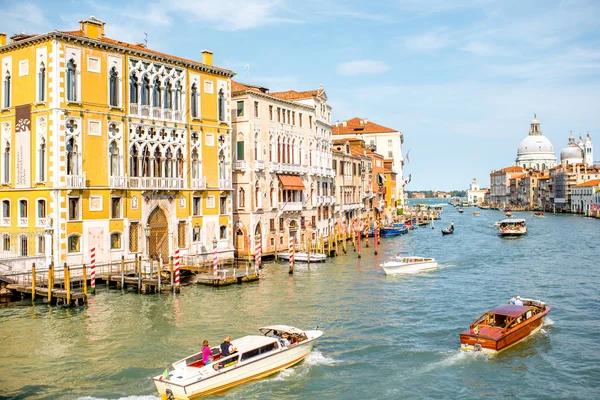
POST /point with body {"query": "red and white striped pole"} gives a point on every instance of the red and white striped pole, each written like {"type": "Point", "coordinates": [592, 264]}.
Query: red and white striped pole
{"type": "Point", "coordinates": [215, 273]}
{"type": "Point", "coordinates": [257, 253]}
{"type": "Point", "coordinates": [291, 250]}
{"type": "Point", "coordinates": [93, 269]}
{"type": "Point", "coordinates": [177, 261]}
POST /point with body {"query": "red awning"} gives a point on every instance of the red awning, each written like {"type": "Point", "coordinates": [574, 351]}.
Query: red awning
{"type": "Point", "coordinates": [291, 182]}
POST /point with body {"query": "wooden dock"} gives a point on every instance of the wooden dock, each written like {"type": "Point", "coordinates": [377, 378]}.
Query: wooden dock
{"type": "Point", "coordinates": [59, 296]}
{"type": "Point", "coordinates": [237, 278]}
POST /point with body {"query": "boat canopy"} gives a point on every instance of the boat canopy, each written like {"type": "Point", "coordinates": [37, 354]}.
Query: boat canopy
{"type": "Point", "coordinates": [510, 310]}
{"type": "Point", "coordinates": [281, 329]}
{"type": "Point", "coordinates": [512, 221]}
{"type": "Point", "coordinates": [252, 342]}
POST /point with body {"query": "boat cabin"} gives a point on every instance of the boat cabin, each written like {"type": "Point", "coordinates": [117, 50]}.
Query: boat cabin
{"type": "Point", "coordinates": [512, 223]}
{"type": "Point", "coordinates": [503, 318]}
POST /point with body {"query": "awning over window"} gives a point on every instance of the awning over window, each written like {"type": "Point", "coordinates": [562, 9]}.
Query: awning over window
{"type": "Point", "coordinates": [291, 182]}
{"type": "Point", "coordinates": [382, 179]}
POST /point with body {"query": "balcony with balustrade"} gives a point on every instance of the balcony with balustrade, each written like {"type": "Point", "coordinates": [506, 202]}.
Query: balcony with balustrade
{"type": "Point", "coordinates": [284, 168]}
{"type": "Point", "coordinates": [239, 165]}
{"type": "Point", "coordinates": [41, 222]}
{"type": "Point", "coordinates": [290, 206]}
{"type": "Point", "coordinates": [118, 182]}
{"type": "Point", "coordinates": [225, 184]}
{"type": "Point", "coordinates": [156, 183]}
{"type": "Point", "coordinates": [75, 181]}
{"type": "Point", "coordinates": [199, 183]}
{"type": "Point", "coordinates": [163, 114]}
{"type": "Point", "coordinates": [259, 165]}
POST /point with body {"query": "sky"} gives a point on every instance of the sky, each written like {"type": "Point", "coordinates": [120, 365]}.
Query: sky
{"type": "Point", "coordinates": [460, 79]}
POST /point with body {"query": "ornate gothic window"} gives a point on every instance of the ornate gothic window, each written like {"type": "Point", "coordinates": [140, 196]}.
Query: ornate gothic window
{"type": "Point", "coordinates": [145, 91]}
{"type": "Point", "coordinates": [257, 202]}
{"type": "Point", "coordinates": [195, 165]}
{"type": "Point", "coordinates": [221, 105]}
{"type": "Point", "coordinates": [167, 103]}
{"type": "Point", "coordinates": [157, 163]}
{"type": "Point", "coordinates": [42, 83]}
{"type": "Point", "coordinates": [134, 163]}
{"type": "Point", "coordinates": [41, 161]}
{"type": "Point", "coordinates": [133, 89]}
{"type": "Point", "coordinates": [177, 96]}
{"type": "Point", "coordinates": [179, 164]}
{"type": "Point", "coordinates": [71, 80]}
{"type": "Point", "coordinates": [72, 157]}
{"type": "Point", "coordinates": [146, 167]}
{"type": "Point", "coordinates": [113, 87]}
{"type": "Point", "coordinates": [169, 164]}
{"type": "Point", "coordinates": [156, 93]}
{"type": "Point", "coordinates": [113, 153]}
{"type": "Point", "coordinates": [194, 97]}
{"type": "Point", "coordinates": [6, 162]}
{"type": "Point", "coordinates": [6, 103]}
{"type": "Point", "coordinates": [222, 169]}
{"type": "Point", "coordinates": [242, 198]}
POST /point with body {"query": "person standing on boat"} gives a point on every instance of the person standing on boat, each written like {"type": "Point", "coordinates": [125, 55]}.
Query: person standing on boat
{"type": "Point", "coordinates": [518, 302]}
{"type": "Point", "coordinates": [227, 348]}
{"type": "Point", "coordinates": [206, 352]}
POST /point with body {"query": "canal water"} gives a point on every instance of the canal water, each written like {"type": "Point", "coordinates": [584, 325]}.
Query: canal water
{"type": "Point", "coordinates": [385, 337]}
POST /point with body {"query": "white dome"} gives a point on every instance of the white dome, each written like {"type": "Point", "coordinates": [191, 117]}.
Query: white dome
{"type": "Point", "coordinates": [572, 154]}
{"type": "Point", "coordinates": [535, 144]}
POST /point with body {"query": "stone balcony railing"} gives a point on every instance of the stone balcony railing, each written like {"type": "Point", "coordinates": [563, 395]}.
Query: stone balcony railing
{"type": "Point", "coordinates": [41, 222]}
{"type": "Point", "coordinates": [347, 178]}
{"type": "Point", "coordinates": [75, 181]}
{"type": "Point", "coordinates": [291, 206]}
{"type": "Point", "coordinates": [147, 111]}
{"type": "Point", "coordinates": [259, 165]}
{"type": "Point", "coordinates": [329, 172]}
{"type": "Point", "coordinates": [117, 181]}
{"type": "Point", "coordinates": [155, 183]}
{"type": "Point", "coordinates": [225, 184]}
{"type": "Point", "coordinates": [5, 221]}
{"type": "Point", "coordinates": [199, 183]}
{"type": "Point", "coordinates": [239, 165]}
{"type": "Point", "coordinates": [289, 168]}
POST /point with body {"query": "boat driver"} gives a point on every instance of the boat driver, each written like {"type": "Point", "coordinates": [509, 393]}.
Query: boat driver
{"type": "Point", "coordinates": [227, 348]}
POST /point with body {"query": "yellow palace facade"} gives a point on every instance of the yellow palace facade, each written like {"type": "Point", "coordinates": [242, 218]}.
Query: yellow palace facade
{"type": "Point", "coordinates": [111, 145]}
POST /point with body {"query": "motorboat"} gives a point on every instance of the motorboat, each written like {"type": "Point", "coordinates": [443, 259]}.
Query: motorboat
{"type": "Point", "coordinates": [508, 214]}
{"type": "Point", "coordinates": [302, 256]}
{"type": "Point", "coordinates": [460, 210]}
{"type": "Point", "coordinates": [256, 356]}
{"type": "Point", "coordinates": [408, 265]}
{"type": "Point", "coordinates": [512, 227]}
{"type": "Point", "coordinates": [497, 224]}
{"type": "Point", "coordinates": [504, 326]}
{"type": "Point", "coordinates": [539, 214]}
{"type": "Point", "coordinates": [476, 213]}
{"type": "Point", "coordinates": [387, 231]}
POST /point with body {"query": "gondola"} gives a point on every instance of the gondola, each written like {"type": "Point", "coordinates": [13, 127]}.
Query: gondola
{"type": "Point", "coordinates": [448, 231]}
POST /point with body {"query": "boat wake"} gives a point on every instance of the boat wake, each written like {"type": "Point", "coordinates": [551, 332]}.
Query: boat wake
{"type": "Point", "coordinates": [547, 322]}
{"type": "Point", "coordinates": [454, 358]}
{"type": "Point", "coordinates": [446, 266]}
{"type": "Point", "coordinates": [318, 358]}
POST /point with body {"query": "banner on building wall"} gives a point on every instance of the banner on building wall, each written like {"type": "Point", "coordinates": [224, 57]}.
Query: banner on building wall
{"type": "Point", "coordinates": [23, 146]}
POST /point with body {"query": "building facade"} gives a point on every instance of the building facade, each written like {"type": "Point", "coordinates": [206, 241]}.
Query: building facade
{"type": "Point", "coordinates": [475, 195]}
{"type": "Point", "coordinates": [283, 180]}
{"type": "Point", "coordinates": [386, 141]}
{"type": "Point", "coordinates": [112, 146]}
{"type": "Point", "coordinates": [535, 151]}
{"type": "Point", "coordinates": [583, 199]}
{"type": "Point", "coordinates": [500, 192]}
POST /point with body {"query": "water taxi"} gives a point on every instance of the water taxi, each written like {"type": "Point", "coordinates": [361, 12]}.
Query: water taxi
{"type": "Point", "coordinates": [476, 213]}
{"type": "Point", "coordinates": [504, 326]}
{"type": "Point", "coordinates": [460, 210]}
{"type": "Point", "coordinates": [539, 214]}
{"type": "Point", "coordinates": [512, 227]}
{"type": "Point", "coordinates": [279, 347]}
{"type": "Point", "coordinates": [303, 256]}
{"type": "Point", "coordinates": [409, 265]}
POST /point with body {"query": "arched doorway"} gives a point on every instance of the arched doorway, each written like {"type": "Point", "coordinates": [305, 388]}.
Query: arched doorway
{"type": "Point", "coordinates": [240, 240]}
{"type": "Point", "coordinates": [159, 235]}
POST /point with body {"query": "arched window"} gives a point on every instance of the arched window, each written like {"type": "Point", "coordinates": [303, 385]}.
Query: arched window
{"type": "Point", "coordinates": [157, 163]}
{"type": "Point", "coordinates": [6, 103]}
{"type": "Point", "coordinates": [71, 80]}
{"type": "Point", "coordinates": [134, 162]}
{"type": "Point", "coordinates": [271, 144]}
{"type": "Point", "coordinates": [169, 164]}
{"type": "Point", "coordinates": [115, 241]}
{"type": "Point", "coordinates": [73, 244]}
{"type": "Point", "coordinates": [41, 208]}
{"type": "Point", "coordinates": [5, 208]}
{"type": "Point", "coordinates": [167, 103]}
{"type": "Point", "coordinates": [146, 91]}
{"type": "Point", "coordinates": [156, 93]}
{"type": "Point", "coordinates": [6, 242]}
{"type": "Point", "coordinates": [194, 98]}
{"type": "Point", "coordinates": [256, 145]}
{"type": "Point", "coordinates": [195, 165]}
{"type": "Point", "coordinates": [133, 89]}
{"type": "Point", "coordinates": [6, 163]}
{"type": "Point", "coordinates": [41, 162]}
{"type": "Point", "coordinates": [22, 208]}
{"type": "Point", "coordinates": [72, 157]}
{"type": "Point", "coordinates": [222, 170]}
{"type": "Point", "coordinates": [179, 164]}
{"type": "Point", "coordinates": [272, 195]}
{"type": "Point", "coordinates": [23, 245]}
{"type": "Point", "coordinates": [242, 198]}
{"type": "Point", "coordinates": [146, 167]}
{"type": "Point", "coordinates": [177, 96]}
{"type": "Point", "coordinates": [221, 105]}
{"type": "Point", "coordinates": [113, 87]}
{"type": "Point", "coordinates": [113, 153]}
{"type": "Point", "coordinates": [223, 232]}
{"type": "Point", "coordinates": [42, 83]}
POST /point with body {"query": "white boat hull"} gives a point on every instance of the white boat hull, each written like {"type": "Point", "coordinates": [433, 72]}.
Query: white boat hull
{"type": "Point", "coordinates": [302, 256]}
{"type": "Point", "coordinates": [205, 381]}
{"type": "Point", "coordinates": [513, 232]}
{"type": "Point", "coordinates": [397, 267]}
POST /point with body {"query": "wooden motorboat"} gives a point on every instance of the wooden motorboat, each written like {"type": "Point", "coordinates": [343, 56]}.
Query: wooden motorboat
{"type": "Point", "coordinates": [409, 265]}
{"type": "Point", "coordinates": [512, 227]}
{"type": "Point", "coordinates": [302, 256]}
{"type": "Point", "coordinates": [504, 326]}
{"type": "Point", "coordinates": [257, 356]}
{"type": "Point", "coordinates": [460, 210]}
{"type": "Point", "coordinates": [393, 230]}
{"type": "Point", "coordinates": [539, 214]}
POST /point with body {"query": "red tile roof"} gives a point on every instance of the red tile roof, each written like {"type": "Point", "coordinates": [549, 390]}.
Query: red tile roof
{"type": "Point", "coordinates": [293, 95]}
{"type": "Point", "coordinates": [514, 168]}
{"type": "Point", "coordinates": [354, 126]}
{"type": "Point", "coordinates": [593, 182]}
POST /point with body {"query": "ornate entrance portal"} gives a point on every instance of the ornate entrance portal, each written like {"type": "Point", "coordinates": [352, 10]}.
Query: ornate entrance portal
{"type": "Point", "coordinates": [159, 235]}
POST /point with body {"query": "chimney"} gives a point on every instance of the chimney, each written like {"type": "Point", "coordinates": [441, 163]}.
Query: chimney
{"type": "Point", "coordinates": [207, 57]}
{"type": "Point", "coordinates": [365, 121]}
{"type": "Point", "coordinates": [2, 39]}
{"type": "Point", "coordinates": [344, 124]}
{"type": "Point", "coordinates": [361, 122]}
{"type": "Point", "coordinates": [92, 27]}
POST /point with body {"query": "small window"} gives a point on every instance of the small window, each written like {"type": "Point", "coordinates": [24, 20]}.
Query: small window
{"type": "Point", "coordinates": [6, 242]}
{"type": "Point", "coordinates": [272, 225]}
{"type": "Point", "coordinates": [73, 208]}
{"type": "Point", "coordinates": [115, 241]}
{"type": "Point", "coordinates": [256, 109]}
{"type": "Point", "coordinates": [196, 205]}
{"type": "Point", "coordinates": [23, 208]}
{"type": "Point", "coordinates": [300, 119]}
{"type": "Point", "coordinates": [5, 208]}
{"type": "Point", "coordinates": [271, 113]}
{"type": "Point", "coordinates": [278, 114]}
{"type": "Point", "coordinates": [281, 224]}
{"type": "Point", "coordinates": [240, 109]}
{"type": "Point", "coordinates": [115, 207]}
{"type": "Point", "coordinates": [41, 208]}
{"type": "Point", "coordinates": [310, 121]}
{"type": "Point", "coordinates": [223, 205]}
{"type": "Point", "coordinates": [74, 244]}
{"type": "Point", "coordinates": [223, 232]}
{"type": "Point", "coordinates": [134, 229]}
{"type": "Point", "coordinates": [23, 245]}
{"type": "Point", "coordinates": [41, 244]}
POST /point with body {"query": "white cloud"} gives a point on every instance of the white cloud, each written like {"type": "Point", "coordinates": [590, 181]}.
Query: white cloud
{"type": "Point", "coordinates": [428, 41]}
{"type": "Point", "coordinates": [362, 67]}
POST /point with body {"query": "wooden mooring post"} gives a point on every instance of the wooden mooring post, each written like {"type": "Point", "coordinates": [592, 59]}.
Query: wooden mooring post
{"type": "Point", "coordinates": [50, 281]}
{"type": "Point", "coordinates": [122, 272]}
{"type": "Point", "coordinates": [138, 271]}
{"type": "Point", "coordinates": [67, 283]}
{"type": "Point", "coordinates": [84, 272]}
{"type": "Point", "coordinates": [33, 282]}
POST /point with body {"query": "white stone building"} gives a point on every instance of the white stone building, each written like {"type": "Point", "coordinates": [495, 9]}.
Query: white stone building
{"type": "Point", "coordinates": [535, 151]}
{"type": "Point", "coordinates": [283, 180]}
{"type": "Point", "coordinates": [583, 197]}
{"type": "Point", "coordinates": [475, 195]}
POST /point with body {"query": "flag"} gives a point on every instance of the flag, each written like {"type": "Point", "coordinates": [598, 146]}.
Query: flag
{"type": "Point", "coordinates": [165, 374]}
{"type": "Point", "coordinates": [407, 181]}
{"type": "Point", "coordinates": [407, 157]}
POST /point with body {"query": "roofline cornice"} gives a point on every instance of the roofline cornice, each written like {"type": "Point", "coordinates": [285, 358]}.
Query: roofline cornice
{"type": "Point", "coordinates": [269, 97]}
{"type": "Point", "coordinates": [121, 49]}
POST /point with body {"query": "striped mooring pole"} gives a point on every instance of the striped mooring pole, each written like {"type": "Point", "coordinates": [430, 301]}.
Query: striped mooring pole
{"type": "Point", "coordinates": [93, 269]}
{"type": "Point", "coordinates": [177, 262]}
{"type": "Point", "coordinates": [257, 254]}
{"type": "Point", "coordinates": [291, 250]}
{"type": "Point", "coordinates": [215, 271]}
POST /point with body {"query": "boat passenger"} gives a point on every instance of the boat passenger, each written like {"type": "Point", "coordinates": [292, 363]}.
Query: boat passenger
{"type": "Point", "coordinates": [227, 348]}
{"type": "Point", "coordinates": [206, 353]}
{"type": "Point", "coordinates": [518, 302]}
{"type": "Point", "coordinates": [512, 300]}
{"type": "Point", "coordinates": [284, 340]}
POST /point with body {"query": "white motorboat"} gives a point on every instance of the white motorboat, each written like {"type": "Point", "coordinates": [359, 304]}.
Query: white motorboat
{"type": "Point", "coordinates": [279, 347]}
{"type": "Point", "coordinates": [409, 265]}
{"type": "Point", "coordinates": [512, 227]}
{"type": "Point", "coordinates": [302, 256]}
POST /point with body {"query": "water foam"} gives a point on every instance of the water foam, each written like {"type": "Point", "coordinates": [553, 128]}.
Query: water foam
{"type": "Point", "coordinates": [318, 358]}
{"type": "Point", "coordinates": [547, 322]}
{"type": "Point", "coordinates": [454, 358]}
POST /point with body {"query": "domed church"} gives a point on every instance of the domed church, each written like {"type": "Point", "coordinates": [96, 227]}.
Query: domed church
{"type": "Point", "coordinates": [536, 151]}
{"type": "Point", "coordinates": [577, 153]}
